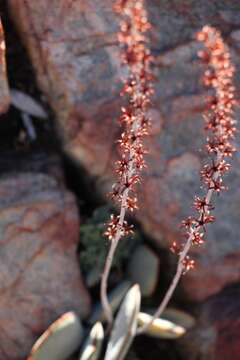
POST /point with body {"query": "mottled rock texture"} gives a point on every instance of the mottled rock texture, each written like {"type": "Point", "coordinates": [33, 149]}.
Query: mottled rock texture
{"type": "Point", "coordinates": [39, 272]}
{"type": "Point", "coordinates": [72, 45]}
{"type": "Point", "coordinates": [217, 335]}
{"type": "Point", "coordinates": [4, 90]}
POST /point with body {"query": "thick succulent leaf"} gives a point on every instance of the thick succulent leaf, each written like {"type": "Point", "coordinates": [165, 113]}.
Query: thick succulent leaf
{"type": "Point", "coordinates": [143, 269]}
{"type": "Point", "coordinates": [93, 345]}
{"type": "Point", "coordinates": [27, 104]}
{"type": "Point", "coordinates": [60, 340]}
{"type": "Point", "coordinates": [125, 325]}
{"type": "Point", "coordinates": [161, 328]}
{"type": "Point", "coordinates": [115, 298]}
{"type": "Point", "coordinates": [179, 317]}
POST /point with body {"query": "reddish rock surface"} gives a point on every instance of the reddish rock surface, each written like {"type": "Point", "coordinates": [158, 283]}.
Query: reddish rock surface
{"type": "Point", "coordinates": [39, 272]}
{"type": "Point", "coordinates": [216, 336]}
{"type": "Point", "coordinates": [4, 90]}
{"type": "Point", "coordinates": [72, 45]}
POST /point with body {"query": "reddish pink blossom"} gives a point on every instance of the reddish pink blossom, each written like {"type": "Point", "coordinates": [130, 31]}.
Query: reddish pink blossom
{"type": "Point", "coordinates": [137, 89]}
{"type": "Point", "coordinates": [220, 126]}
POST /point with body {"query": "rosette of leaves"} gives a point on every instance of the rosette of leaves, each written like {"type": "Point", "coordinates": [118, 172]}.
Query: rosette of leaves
{"type": "Point", "coordinates": [93, 247]}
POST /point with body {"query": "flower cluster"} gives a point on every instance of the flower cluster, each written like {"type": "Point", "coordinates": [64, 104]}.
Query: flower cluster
{"type": "Point", "coordinates": [220, 126]}
{"type": "Point", "coordinates": [134, 119]}
{"type": "Point", "coordinates": [113, 227]}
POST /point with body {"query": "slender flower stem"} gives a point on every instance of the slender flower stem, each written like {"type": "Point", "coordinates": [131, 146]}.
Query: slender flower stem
{"type": "Point", "coordinates": [220, 124]}
{"type": "Point", "coordinates": [114, 243]}
{"type": "Point", "coordinates": [180, 269]}
{"type": "Point", "coordinates": [135, 121]}
{"type": "Point", "coordinates": [104, 282]}
{"type": "Point", "coordinates": [110, 255]}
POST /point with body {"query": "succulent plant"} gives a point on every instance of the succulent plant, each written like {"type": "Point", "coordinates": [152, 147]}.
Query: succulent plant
{"type": "Point", "coordinates": [60, 340]}
{"type": "Point", "coordinates": [64, 336]}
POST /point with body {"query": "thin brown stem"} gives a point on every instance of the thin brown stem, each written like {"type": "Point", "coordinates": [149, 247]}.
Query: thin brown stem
{"type": "Point", "coordinates": [108, 264]}
{"type": "Point", "coordinates": [177, 277]}
{"type": "Point", "coordinates": [114, 243]}
{"type": "Point", "coordinates": [137, 88]}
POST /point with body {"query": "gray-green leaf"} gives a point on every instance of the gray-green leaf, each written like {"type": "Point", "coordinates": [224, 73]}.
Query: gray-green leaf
{"type": "Point", "coordinates": [60, 340]}
{"type": "Point", "coordinates": [125, 325]}
{"type": "Point", "coordinates": [92, 347]}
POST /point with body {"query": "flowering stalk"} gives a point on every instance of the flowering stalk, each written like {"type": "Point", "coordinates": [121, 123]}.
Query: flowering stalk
{"type": "Point", "coordinates": [135, 122]}
{"type": "Point", "coordinates": [220, 126]}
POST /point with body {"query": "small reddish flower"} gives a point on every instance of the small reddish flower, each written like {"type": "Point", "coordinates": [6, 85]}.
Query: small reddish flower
{"type": "Point", "coordinates": [175, 248]}
{"type": "Point", "coordinates": [112, 227]}
{"type": "Point", "coordinates": [131, 204]}
{"type": "Point", "coordinates": [188, 223]}
{"type": "Point", "coordinates": [228, 150]}
{"type": "Point", "coordinates": [209, 219]}
{"type": "Point", "coordinates": [115, 193]}
{"type": "Point", "coordinates": [217, 186]}
{"type": "Point", "coordinates": [124, 142]}
{"type": "Point", "coordinates": [200, 204]}
{"type": "Point", "coordinates": [122, 166]}
{"type": "Point", "coordinates": [188, 264]}
{"type": "Point", "coordinates": [203, 220]}
{"type": "Point", "coordinates": [133, 180]}
{"type": "Point", "coordinates": [197, 238]}
{"type": "Point", "coordinates": [126, 229]}
{"type": "Point", "coordinates": [127, 116]}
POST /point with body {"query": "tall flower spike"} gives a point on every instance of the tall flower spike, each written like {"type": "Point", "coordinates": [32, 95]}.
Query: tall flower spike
{"type": "Point", "coordinates": [137, 89]}
{"type": "Point", "coordinates": [220, 127]}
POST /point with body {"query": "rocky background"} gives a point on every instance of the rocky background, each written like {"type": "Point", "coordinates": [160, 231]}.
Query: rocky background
{"type": "Point", "coordinates": [56, 166]}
